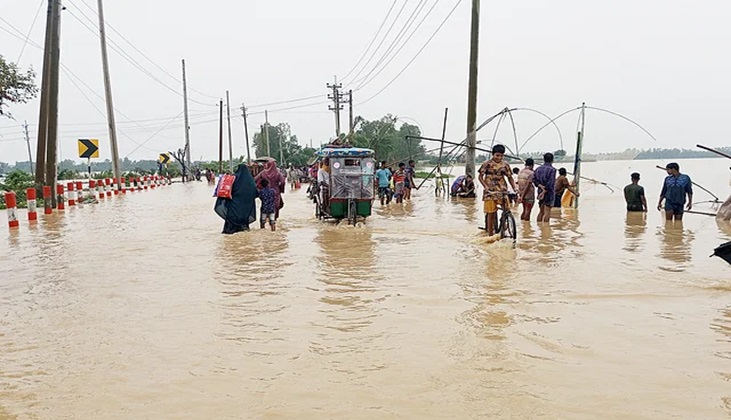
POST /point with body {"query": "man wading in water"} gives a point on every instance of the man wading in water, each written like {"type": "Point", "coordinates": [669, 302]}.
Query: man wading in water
{"type": "Point", "coordinates": [634, 194]}
{"type": "Point", "coordinates": [492, 176]}
{"type": "Point", "coordinates": [674, 190]}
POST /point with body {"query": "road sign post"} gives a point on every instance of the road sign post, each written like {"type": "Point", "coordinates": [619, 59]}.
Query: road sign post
{"type": "Point", "coordinates": [88, 148]}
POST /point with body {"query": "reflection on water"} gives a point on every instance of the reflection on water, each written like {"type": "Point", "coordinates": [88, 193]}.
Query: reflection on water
{"type": "Point", "coordinates": [722, 325]}
{"type": "Point", "coordinates": [635, 228]}
{"type": "Point", "coordinates": [675, 245]}
{"type": "Point", "coordinates": [249, 266]}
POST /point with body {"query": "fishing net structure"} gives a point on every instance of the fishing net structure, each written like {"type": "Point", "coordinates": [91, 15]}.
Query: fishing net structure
{"type": "Point", "coordinates": [724, 212]}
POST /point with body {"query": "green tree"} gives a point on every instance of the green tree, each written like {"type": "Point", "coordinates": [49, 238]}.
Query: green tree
{"type": "Point", "coordinates": [281, 134]}
{"type": "Point", "coordinates": [17, 181]}
{"type": "Point", "coordinates": [559, 153]}
{"type": "Point", "coordinates": [16, 87]}
{"type": "Point", "coordinates": [389, 142]}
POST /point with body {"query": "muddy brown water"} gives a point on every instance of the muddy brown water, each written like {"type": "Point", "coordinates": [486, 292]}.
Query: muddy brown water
{"type": "Point", "coordinates": [138, 308]}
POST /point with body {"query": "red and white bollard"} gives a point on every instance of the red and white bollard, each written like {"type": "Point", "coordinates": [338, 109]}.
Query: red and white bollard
{"type": "Point", "coordinates": [79, 192]}
{"type": "Point", "coordinates": [30, 193]}
{"type": "Point", "coordinates": [139, 184]}
{"type": "Point", "coordinates": [71, 194]}
{"type": "Point", "coordinates": [92, 188]}
{"type": "Point", "coordinates": [108, 186]}
{"type": "Point", "coordinates": [115, 186]}
{"type": "Point", "coordinates": [145, 181]}
{"type": "Point", "coordinates": [124, 185]}
{"type": "Point", "coordinates": [60, 197]}
{"type": "Point", "coordinates": [11, 203]}
{"type": "Point", "coordinates": [47, 199]}
{"type": "Point", "coordinates": [153, 182]}
{"type": "Point", "coordinates": [100, 189]}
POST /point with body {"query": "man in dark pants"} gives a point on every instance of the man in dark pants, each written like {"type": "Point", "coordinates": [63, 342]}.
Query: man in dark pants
{"type": "Point", "coordinates": [674, 190]}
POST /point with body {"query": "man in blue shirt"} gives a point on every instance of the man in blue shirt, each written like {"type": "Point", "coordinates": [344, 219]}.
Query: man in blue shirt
{"type": "Point", "coordinates": [674, 190]}
{"type": "Point", "coordinates": [544, 178]}
{"type": "Point", "coordinates": [384, 181]}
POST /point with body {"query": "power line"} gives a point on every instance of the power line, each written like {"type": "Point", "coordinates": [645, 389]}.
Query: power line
{"type": "Point", "coordinates": [27, 36]}
{"type": "Point", "coordinates": [404, 28]}
{"type": "Point", "coordinates": [306, 98]}
{"type": "Point", "coordinates": [380, 44]}
{"type": "Point", "coordinates": [144, 55]}
{"type": "Point", "coordinates": [373, 40]}
{"type": "Point", "coordinates": [396, 54]}
{"type": "Point", "coordinates": [117, 48]}
{"type": "Point", "coordinates": [441, 25]}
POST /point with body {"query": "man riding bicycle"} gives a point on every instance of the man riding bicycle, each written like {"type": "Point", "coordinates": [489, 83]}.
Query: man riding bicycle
{"type": "Point", "coordinates": [493, 174]}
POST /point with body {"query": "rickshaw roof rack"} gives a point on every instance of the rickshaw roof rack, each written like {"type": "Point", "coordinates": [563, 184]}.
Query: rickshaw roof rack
{"type": "Point", "coordinates": [344, 152]}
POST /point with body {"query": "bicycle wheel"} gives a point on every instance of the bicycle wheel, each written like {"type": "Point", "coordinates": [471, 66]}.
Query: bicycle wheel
{"type": "Point", "coordinates": [507, 226]}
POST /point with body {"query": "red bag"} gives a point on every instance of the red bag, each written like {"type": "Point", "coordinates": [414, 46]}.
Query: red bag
{"type": "Point", "coordinates": [225, 186]}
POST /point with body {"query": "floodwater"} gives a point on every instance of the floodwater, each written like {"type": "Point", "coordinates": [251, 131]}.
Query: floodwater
{"type": "Point", "coordinates": [138, 308]}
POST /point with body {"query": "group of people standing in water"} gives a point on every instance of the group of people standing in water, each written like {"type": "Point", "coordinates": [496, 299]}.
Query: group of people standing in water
{"type": "Point", "coordinates": [239, 211]}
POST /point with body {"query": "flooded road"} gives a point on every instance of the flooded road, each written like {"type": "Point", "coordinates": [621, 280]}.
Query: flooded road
{"type": "Point", "coordinates": [139, 308]}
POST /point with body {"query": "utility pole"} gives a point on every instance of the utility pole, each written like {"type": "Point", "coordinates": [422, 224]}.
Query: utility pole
{"type": "Point", "coordinates": [335, 96]}
{"type": "Point", "coordinates": [110, 104]}
{"type": "Point", "coordinates": [220, 137]}
{"type": "Point", "coordinates": [40, 175]}
{"type": "Point", "coordinates": [52, 130]}
{"type": "Point", "coordinates": [27, 140]}
{"type": "Point", "coordinates": [230, 142]}
{"type": "Point", "coordinates": [187, 121]}
{"type": "Point", "coordinates": [266, 132]}
{"type": "Point", "coordinates": [472, 90]}
{"type": "Point", "coordinates": [350, 107]}
{"type": "Point", "coordinates": [246, 133]}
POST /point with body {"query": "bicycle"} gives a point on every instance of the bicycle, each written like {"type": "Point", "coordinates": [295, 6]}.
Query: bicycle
{"type": "Point", "coordinates": [506, 225]}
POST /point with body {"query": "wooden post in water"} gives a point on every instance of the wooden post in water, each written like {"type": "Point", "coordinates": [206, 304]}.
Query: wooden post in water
{"type": "Point", "coordinates": [577, 157]}
{"type": "Point", "coordinates": [220, 136]}
{"type": "Point", "coordinates": [266, 132]}
{"type": "Point", "coordinates": [230, 142]}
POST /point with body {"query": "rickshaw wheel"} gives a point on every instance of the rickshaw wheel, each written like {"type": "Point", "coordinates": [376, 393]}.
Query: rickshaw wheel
{"type": "Point", "coordinates": [318, 208]}
{"type": "Point", "coordinates": [352, 215]}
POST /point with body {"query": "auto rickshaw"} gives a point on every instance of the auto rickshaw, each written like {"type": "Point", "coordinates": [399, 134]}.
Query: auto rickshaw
{"type": "Point", "coordinates": [349, 189]}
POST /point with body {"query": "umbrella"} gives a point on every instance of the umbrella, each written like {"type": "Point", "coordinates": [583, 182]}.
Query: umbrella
{"type": "Point", "coordinates": [723, 251]}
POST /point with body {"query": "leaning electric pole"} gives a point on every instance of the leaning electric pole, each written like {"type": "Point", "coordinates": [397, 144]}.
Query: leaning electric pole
{"type": "Point", "coordinates": [110, 104]}
{"type": "Point", "coordinates": [472, 92]}
{"type": "Point", "coordinates": [27, 141]}
{"type": "Point", "coordinates": [51, 21]}
{"type": "Point", "coordinates": [337, 107]}
{"type": "Point", "coordinates": [246, 133]}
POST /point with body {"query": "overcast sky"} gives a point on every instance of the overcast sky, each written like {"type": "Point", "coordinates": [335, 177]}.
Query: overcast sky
{"type": "Point", "coordinates": [662, 63]}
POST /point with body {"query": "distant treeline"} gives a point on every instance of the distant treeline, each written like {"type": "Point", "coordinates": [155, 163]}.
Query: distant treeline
{"type": "Point", "coordinates": [679, 153]}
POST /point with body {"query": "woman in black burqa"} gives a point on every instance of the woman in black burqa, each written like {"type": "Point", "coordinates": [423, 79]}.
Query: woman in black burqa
{"type": "Point", "coordinates": [239, 210]}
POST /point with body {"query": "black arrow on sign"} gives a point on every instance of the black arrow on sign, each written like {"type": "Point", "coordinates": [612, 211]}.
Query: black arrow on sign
{"type": "Point", "coordinates": [91, 148]}
{"type": "Point", "coordinates": [164, 158]}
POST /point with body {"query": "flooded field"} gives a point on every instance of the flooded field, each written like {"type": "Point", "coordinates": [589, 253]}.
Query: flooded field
{"type": "Point", "coordinates": [139, 308]}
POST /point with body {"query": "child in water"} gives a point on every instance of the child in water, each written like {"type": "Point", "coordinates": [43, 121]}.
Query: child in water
{"type": "Point", "coordinates": [399, 178]}
{"type": "Point", "coordinates": [268, 198]}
